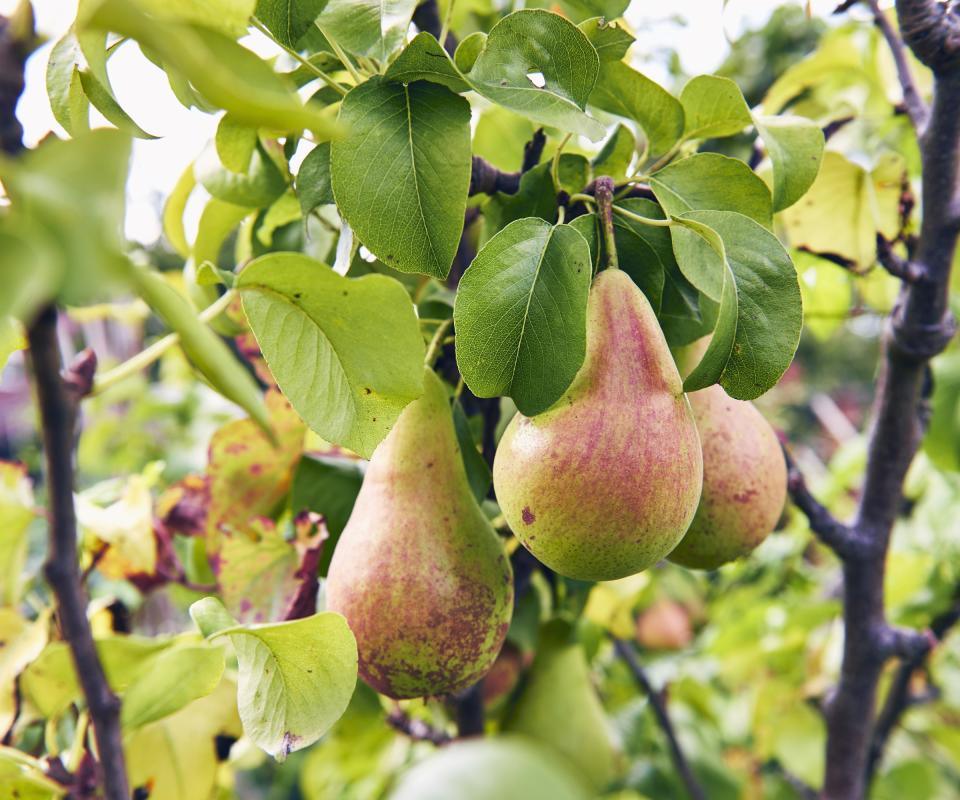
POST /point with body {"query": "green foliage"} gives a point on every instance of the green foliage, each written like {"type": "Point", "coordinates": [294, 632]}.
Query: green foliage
{"type": "Point", "coordinates": [521, 314]}
{"type": "Point", "coordinates": [295, 678]}
{"type": "Point", "coordinates": [351, 393]}
{"type": "Point", "coordinates": [421, 135]}
{"type": "Point", "coordinates": [324, 360]}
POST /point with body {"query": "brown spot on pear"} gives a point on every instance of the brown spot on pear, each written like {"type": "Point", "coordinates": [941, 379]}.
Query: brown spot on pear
{"type": "Point", "coordinates": [418, 572]}
{"type": "Point", "coordinates": [744, 479]}
{"type": "Point", "coordinates": [612, 470]}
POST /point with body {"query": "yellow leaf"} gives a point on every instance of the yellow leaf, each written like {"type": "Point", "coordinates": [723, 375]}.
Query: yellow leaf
{"type": "Point", "coordinates": [126, 526]}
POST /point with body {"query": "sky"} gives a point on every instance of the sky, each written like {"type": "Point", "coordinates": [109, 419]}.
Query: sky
{"type": "Point", "coordinates": [703, 42]}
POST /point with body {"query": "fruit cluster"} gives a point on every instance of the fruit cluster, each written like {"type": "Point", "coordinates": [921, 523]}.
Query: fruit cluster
{"type": "Point", "coordinates": [623, 471]}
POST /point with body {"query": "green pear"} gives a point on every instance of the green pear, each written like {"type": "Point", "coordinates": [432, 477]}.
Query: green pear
{"type": "Point", "coordinates": [744, 481]}
{"type": "Point", "coordinates": [419, 572]}
{"type": "Point", "coordinates": [502, 768]}
{"type": "Point", "coordinates": [559, 707]}
{"type": "Point", "coordinates": [605, 482]}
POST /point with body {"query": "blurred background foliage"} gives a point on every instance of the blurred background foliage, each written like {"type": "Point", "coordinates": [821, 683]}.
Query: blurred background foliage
{"type": "Point", "coordinates": [745, 654]}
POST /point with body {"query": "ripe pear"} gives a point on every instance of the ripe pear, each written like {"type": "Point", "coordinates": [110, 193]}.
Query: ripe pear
{"type": "Point", "coordinates": [558, 706]}
{"type": "Point", "coordinates": [419, 572]}
{"type": "Point", "coordinates": [744, 478]}
{"type": "Point", "coordinates": [605, 482]}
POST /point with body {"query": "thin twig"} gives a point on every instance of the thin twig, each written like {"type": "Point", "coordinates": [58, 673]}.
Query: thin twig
{"type": "Point", "coordinates": [416, 729]}
{"type": "Point", "coordinates": [58, 405]}
{"type": "Point", "coordinates": [913, 103]}
{"type": "Point", "coordinates": [899, 697]}
{"type": "Point", "coordinates": [659, 705]}
{"type": "Point", "coordinates": [836, 535]}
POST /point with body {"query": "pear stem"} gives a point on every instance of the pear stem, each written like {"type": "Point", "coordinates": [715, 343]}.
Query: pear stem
{"type": "Point", "coordinates": [603, 192]}
{"type": "Point", "coordinates": [433, 350]}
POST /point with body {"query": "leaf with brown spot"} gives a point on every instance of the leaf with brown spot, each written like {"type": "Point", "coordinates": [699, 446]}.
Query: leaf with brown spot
{"type": "Point", "coordinates": [249, 476]}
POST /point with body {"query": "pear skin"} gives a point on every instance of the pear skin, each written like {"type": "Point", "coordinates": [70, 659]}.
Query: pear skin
{"type": "Point", "coordinates": [605, 482]}
{"type": "Point", "coordinates": [419, 572]}
{"type": "Point", "coordinates": [744, 482]}
{"type": "Point", "coordinates": [559, 706]}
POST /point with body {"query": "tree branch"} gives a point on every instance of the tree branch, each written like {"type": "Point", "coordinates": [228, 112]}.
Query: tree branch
{"type": "Point", "coordinates": [915, 107]}
{"type": "Point", "coordinates": [659, 705]}
{"type": "Point", "coordinates": [487, 179]}
{"type": "Point", "coordinates": [840, 538]}
{"type": "Point", "coordinates": [58, 399]}
{"type": "Point", "coordinates": [899, 697]}
{"type": "Point", "coordinates": [919, 328]}
{"type": "Point", "coordinates": [426, 17]}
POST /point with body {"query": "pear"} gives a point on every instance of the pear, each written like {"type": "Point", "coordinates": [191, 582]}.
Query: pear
{"type": "Point", "coordinates": [665, 625]}
{"type": "Point", "coordinates": [605, 482]}
{"type": "Point", "coordinates": [418, 572]}
{"type": "Point", "coordinates": [559, 707]}
{"type": "Point", "coordinates": [502, 768]}
{"type": "Point", "coordinates": [744, 481]}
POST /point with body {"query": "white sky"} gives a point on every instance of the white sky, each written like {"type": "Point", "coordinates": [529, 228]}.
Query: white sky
{"type": "Point", "coordinates": [144, 93]}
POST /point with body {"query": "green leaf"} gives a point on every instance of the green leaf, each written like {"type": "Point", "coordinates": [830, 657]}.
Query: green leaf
{"type": "Point", "coordinates": [328, 486]}
{"type": "Point", "coordinates": [174, 678]}
{"type": "Point", "coordinates": [645, 251]}
{"type": "Point", "coordinates": [535, 198]}
{"type": "Point", "coordinates": [289, 20]}
{"type": "Point", "coordinates": [177, 755]}
{"type": "Point", "coordinates": [769, 311]}
{"type": "Point", "coordinates": [206, 351]}
{"type": "Point", "coordinates": [531, 43]}
{"type": "Point", "coordinates": [478, 471]}
{"type": "Point", "coordinates": [16, 514]}
{"type": "Point", "coordinates": [616, 155]}
{"type": "Point", "coordinates": [65, 221]}
{"type": "Point", "coordinates": [468, 51]}
{"type": "Point", "coordinates": [610, 40]}
{"type": "Point", "coordinates": [847, 206]}
{"type": "Point", "coordinates": [258, 185]}
{"type": "Point", "coordinates": [101, 97]}
{"type": "Point", "coordinates": [67, 99]}
{"type": "Point", "coordinates": [624, 91]}
{"type": "Point", "coordinates": [500, 137]}
{"type": "Point", "coordinates": [314, 186]}
{"type": "Point", "coordinates": [24, 777]}
{"type": "Point", "coordinates": [346, 352]}
{"type": "Point", "coordinates": [795, 147]}
{"type": "Point", "coordinates": [296, 678]}
{"type": "Point", "coordinates": [425, 60]}
{"type": "Point", "coordinates": [581, 9]}
{"type": "Point", "coordinates": [709, 181]}
{"type": "Point", "coordinates": [225, 73]}
{"type": "Point", "coordinates": [588, 226]}
{"type": "Point", "coordinates": [367, 27]}
{"type": "Point", "coordinates": [827, 291]}
{"type": "Point", "coordinates": [229, 17]}
{"type": "Point", "coordinates": [173, 211]}
{"type": "Point", "coordinates": [520, 314]}
{"type": "Point", "coordinates": [714, 107]}
{"type": "Point", "coordinates": [573, 172]}
{"type": "Point", "coordinates": [248, 473]}
{"type": "Point", "coordinates": [50, 682]}
{"type": "Point", "coordinates": [415, 140]}
{"type": "Point", "coordinates": [12, 339]}
{"type": "Point", "coordinates": [217, 220]}
{"type": "Point", "coordinates": [235, 144]}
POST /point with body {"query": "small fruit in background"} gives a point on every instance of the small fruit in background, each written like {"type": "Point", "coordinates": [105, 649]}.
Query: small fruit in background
{"type": "Point", "coordinates": [665, 625]}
